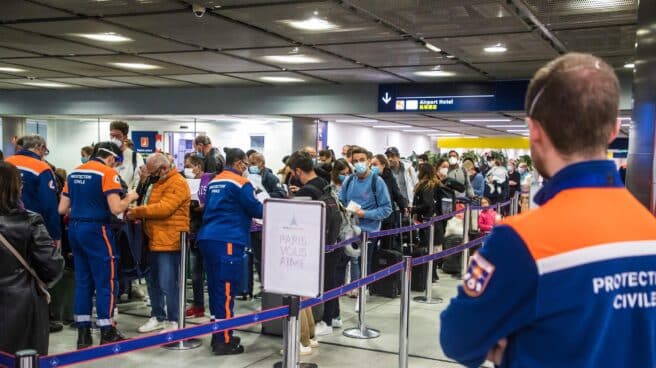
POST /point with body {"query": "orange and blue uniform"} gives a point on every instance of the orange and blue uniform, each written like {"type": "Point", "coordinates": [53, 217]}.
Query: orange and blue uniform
{"type": "Point", "coordinates": [39, 189]}
{"type": "Point", "coordinates": [230, 207]}
{"type": "Point", "coordinates": [94, 251]}
{"type": "Point", "coordinates": [570, 284]}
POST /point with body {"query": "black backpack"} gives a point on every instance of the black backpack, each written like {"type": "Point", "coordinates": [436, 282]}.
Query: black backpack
{"type": "Point", "coordinates": [333, 215]}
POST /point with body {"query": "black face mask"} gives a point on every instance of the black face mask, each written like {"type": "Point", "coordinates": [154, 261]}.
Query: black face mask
{"type": "Point", "coordinates": [153, 179]}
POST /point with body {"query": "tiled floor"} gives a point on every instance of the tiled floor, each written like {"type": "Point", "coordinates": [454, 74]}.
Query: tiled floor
{"type": "Point", "coordinates": [263, 351]}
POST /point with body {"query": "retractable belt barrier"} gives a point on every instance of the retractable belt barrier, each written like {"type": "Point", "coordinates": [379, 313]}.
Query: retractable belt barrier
{"type": "Point", "coordinates": [154, 340]}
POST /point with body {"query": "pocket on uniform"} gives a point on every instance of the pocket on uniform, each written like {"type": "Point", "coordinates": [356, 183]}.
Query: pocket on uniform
{"type": "Point", "coordinates": [230, 268]}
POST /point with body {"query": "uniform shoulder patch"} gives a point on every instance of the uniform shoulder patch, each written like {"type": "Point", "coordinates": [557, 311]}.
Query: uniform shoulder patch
{"type": "Point", "coordinates": [478, 275]}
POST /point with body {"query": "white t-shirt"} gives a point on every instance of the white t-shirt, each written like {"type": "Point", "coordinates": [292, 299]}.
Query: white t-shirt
{"type": "Point", "coordinates": [127, 171]}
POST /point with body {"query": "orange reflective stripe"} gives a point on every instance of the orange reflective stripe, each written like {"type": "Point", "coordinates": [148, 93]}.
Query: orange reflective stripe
{"type": "Point", "coordinates": [111, 274]}
{"type": "Point", "coordinates": [226, 333]}
{"type": "Point", "coordinates": [229, 249]}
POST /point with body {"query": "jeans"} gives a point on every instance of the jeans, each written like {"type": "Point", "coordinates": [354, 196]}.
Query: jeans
{"type": "Point", "coordinates": [163, 285]}
{"type": "Point", "coordinates": [197, 277]}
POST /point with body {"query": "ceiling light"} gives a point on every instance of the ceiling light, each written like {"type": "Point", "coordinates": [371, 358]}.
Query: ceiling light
{"type": "Point", "coordinates": [445, 135]}
{"type": "Point", "coordinates": [311, 24]}
{"type": "Point", "coordinates": [138, 66]}
{"type": "Point", "coordinates": [434, 73]}
{"type": "Point", "coordinates": [485, 120]}
{"type": "Point", "coordinates": [47, 84]}
{"type": "Point", "coordinates": [450, 57]}
{"type": "Point", "coordinates": [432, 47]}
{"type": "Point", "coordinates": [11, 70]}
{"type": "Point", "coordinates": [292, 59]}
{"type": "Point", "coordinates": [629, 65]}
{"type": "Point", "coordinates": [626, 125]}
{"type": "Point", "coordinates": [498, 48]}
{"type": "Point", "coordinates": [104, 37]}
{"type": "Point", "coordinates": [356, 121]}
{"type": "Point", "coordinates": [625, 118]}
{"type": "Point", "coordinates": [390, 126]}
{"type": "Point", "coordinates": [506, 126]}
{"type": "Point", "coordinates": [419, 130]}
{"type": "Point", "coordinates": [281, 79]}
{"type": "Point", "coordinates": [517, 131]}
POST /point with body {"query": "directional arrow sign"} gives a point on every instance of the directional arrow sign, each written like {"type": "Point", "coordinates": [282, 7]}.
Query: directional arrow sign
{"type": "Point", "coordinates": [387, 98]}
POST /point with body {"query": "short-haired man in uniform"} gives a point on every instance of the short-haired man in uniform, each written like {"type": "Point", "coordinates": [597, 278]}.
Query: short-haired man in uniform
{"type": "Point", "coordinates": [229, 208]}
{"type": "Point", "coordinates": [92, 193]}
{"type": "Point", "coordinates": [39, 192]}
{"type": "Point", "coordinates": [572, 283]}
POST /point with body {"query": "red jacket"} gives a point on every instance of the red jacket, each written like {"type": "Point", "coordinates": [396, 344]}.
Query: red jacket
{"type": "Point", "coordinates": [486, 219]}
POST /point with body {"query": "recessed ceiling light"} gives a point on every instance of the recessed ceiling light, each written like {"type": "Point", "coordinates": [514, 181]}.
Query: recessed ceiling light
{"type": "Point", "coordinates": [434, 73]}
{"type": "Point", "coordinates": [625, 118]}
{"type": "Point", "coordinates": [626, 125]}
{"type": "Point", "coordinates": [432, 47]}
{"type": "Point", "coordinates": [485, 120]}
{"type": "Point", "coordinates": [311, 24]}
{"type": "Point", "coordinates": [506, 126]}
{"type": "Point", "coordinates": [281, 79]}
{"type": "Point", "coordinates": [47, 84]}
{"type": "Point", "coordinates": [498, 48]}
{"type": "Point", "coordinates": [138, 66]}
{"type": "Point", "coordinates": [11, 70]}
{"type": "Point", "coordinates": [293, 59]}
{"type": "Point", "coordinates": [356, 121]}
{"type": "Point", "coordinates": [450, 57]}
{"type": "Point", "coordinates": [104, 37]}
{"type": "Point", "coordinates": [445, 135]}
{"type": "Point", "coordinates": [399, 126]}
{"type": "Point", "coordinates": [517, 131]}
{"type": "Point", "coordinates": [419, 130]}
{"type": "Point", "coordinates": [629, 65]}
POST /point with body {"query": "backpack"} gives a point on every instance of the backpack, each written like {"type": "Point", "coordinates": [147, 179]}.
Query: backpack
{"type": "Point", "coordinates": [333, 213]}
{"type": "Point", "coordinates": [347, 184]}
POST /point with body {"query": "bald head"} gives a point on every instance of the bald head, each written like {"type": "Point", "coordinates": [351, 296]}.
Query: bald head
{"type": "Point", "coordinates": [158, 165]}
{"type": "Point", "coordinates": [311, 150]}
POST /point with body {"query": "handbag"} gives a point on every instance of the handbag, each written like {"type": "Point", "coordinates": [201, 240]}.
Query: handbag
{"type": "Point", "coordinates": [40, 285]}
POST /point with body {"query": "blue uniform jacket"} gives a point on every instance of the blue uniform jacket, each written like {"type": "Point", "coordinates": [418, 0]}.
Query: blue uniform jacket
{"type": "Point", "coordinates": [570, 284]}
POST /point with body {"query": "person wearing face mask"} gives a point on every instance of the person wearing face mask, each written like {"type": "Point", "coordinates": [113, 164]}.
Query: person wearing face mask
{"type": "Point", "coordinates": [459, 174]}
{"type": "Point", "coordinates": [525, 182]}
{"type": "Point", "coordinates": [165, 214]}
{"type": "Point", "coordinates": [131, 160]}
{"type": "Point", "coordinates": [214, 160]}
{"type": "Point", "coordinates": [270, 181]}
{"type": "Point", "coordinates": [93, 194]}
{"type": "Point", "coordinates": [380, 167]}
{"type": "Point", "coordinates": [514, 179]}
{"type": "Point", "coordinates": [229, 209]}
{"type": "Point", "coordinates": [476, 178]}
{"type": "Point", "coordinates": [85, 154]}
{"type": "Point", "coordinates": [403, 172]}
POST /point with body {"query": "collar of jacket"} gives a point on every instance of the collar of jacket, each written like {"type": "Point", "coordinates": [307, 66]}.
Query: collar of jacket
{"type": "Point", "coordinates": [233, 170]}
{"type": "Point", "coordinates": [587, 174]}
{"type": "Point", "coordinates": [29, 153]}
{"type": "Point", "coordinates": [171, 174]}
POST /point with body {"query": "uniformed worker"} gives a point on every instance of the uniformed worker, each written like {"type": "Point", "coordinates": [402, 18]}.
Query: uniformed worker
{"type": "Point", "coordinates": [570, 284]}
{"type": "Point", "coordinates": [39, 192]}
{"type": "Point", "coordinates": [230, 206]}
{"type": "Point", "coordinates": [92, 192]}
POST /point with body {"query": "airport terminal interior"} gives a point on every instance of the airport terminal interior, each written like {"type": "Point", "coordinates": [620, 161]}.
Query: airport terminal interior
{"type": "Point", "coordinates": [277, 76]}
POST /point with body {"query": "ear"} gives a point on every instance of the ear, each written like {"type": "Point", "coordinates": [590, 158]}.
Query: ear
{"type": "Point", "coordinates": [536, 134]}
{"type": "Point", "coordinates": [615, 132]}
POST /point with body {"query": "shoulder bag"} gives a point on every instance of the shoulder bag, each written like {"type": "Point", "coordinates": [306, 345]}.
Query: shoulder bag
{"type": "Point", "coordinates": [40, 285]}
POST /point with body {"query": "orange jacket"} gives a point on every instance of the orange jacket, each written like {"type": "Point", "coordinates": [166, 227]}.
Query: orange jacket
{"type": "Point", "coordinates": [167, 213]}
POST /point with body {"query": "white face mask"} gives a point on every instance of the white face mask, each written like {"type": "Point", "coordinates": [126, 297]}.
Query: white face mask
{"type": "Point", "coordinates": [444, 171]}
{"type": "Point", "coordinates": [189, 173]}
{"type": "Point", "coordinates": [117, 142]}
{"type": "Point", "coordinates": [453, 160]}
{"type": "Point", "coordinates": [521, 170]}
{"type": "Point", "coordinates": [510, 168]}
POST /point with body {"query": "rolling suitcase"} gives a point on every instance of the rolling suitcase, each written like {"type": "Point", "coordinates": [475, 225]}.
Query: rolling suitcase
{"type": "Point", "coordinates": [419, 272]}
{"type": "Point", "coordinates": [389, 287]}
{"type": "Point", "coordinates": [275, 327]}
{"type": "Point", "coordinates": [246, 282]}
{"type": "Point", "coordinates": [452, 264]}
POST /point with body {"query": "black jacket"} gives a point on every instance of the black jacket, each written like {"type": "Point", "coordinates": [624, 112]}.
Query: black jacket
{"type": "Point", "coordinates": [24, 312]}
{"type": "Point", "coordinates": [271, 183]}
{"type": "Point", "coordinates": [393, 188]}
{"type": "Point", "coordinates": [214, 161]}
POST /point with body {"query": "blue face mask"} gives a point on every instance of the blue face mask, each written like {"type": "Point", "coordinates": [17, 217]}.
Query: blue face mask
{"type": "Point", "coordinates": [375, 170]}
{"type": "Point", "coordinates": [360, 168]}
{"type": "Point", "coordinates": [342, 177]}
{"type": "Point", "coordinates": [253, 170]}
{"type": "Point", "coordinates": [200, 154]}
{"type": "Point", "coordinates": [84, 159]}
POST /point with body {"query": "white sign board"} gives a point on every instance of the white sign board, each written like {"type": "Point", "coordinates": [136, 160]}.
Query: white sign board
{"type": "Point", "coordinates": [293, 245]}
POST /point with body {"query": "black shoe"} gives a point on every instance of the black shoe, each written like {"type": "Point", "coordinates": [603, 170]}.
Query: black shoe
{"type": "Point", "coordinates": [56, 326]}
{"type": "Point", "coordinates": [84, 339]}
{"type": "Point", "coordinates": [110, 334]}
{"type": "Point", "coordinates": [232, 348]}
{"type": "Point", "coordinates": [218, 339]}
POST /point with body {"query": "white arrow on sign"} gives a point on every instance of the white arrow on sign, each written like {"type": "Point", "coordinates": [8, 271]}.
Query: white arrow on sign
{"type": "Point", "coordinates": [387, 98]}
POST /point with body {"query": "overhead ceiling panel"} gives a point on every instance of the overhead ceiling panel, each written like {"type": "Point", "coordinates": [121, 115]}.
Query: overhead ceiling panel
{"type": "Point", "coordinates": [262, 77]}
{"type": "Point", "coordinates": [512, 70]}
{"type": "Point", "coordinates": [460, 72]}
{"type": "Point", "coordinates": [349, 27]}
{"type": "Point", "coordinates": [71, 67]}
{"type": "Point", "coordinates": [4, 85]}
{"type": "Point", "coordinates": [521, 46]}
{"type": "Point", "coordinates": [26, 81]}
{"type": "Point", "coordinates": [584, 13]}
{"type": "Point", "coordinates": [439, 18]}
{"type": "Point", "coordinates": [109, 60]}
{"type": "Point", "coordinates": [607, 41]}
{"type": "Point", "coordinates": [149, 81]}
{"type": "Point", "coordinates": [225, 3]}
{"type": "Point", "coordinates": [8, 53]}
{"type": "Point", "coordinates": [73, 29]}
{"type": "Point", "coordinates": [93, 82]}
{"type": "Point", "coordinates": [107, 7]}
{"type": "Point", "coordinates": [32, 72]}
{"type": "Point", "coordinates": [315, 59]}
{"type": "Point", "coordinates": [359, 75]}
{"type": "Point", "coordinates": [25, 41]}
{"type": "Point", "coordinates": [208, 31]}
{"type": "Point", "coordinates": [211, 61]}
{"type": "Point", "coordinates": [211, 79]}
{"type": "Point", "coordinates": [382, 54]}
{"type": "Point", "coordinates": [20, 9]}
{"type": "Point", "coordinates": [393, 117]}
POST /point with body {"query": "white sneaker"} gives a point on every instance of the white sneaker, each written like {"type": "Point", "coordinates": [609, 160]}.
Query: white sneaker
{"type": "Point", "coordinates": [337, 322]}
{"type": "Point", "coordinates": [170, 326]}
{"type": "Point", "coordinates": [314, 344]}
{"type": "Point", "coordinates": [152, 325]}
{"type": "Point", "coordinates": [304, 350]}
{"type": "Point", "coordinates": [322, 329]}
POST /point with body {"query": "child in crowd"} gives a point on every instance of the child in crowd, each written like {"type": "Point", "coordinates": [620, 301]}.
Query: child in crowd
{"type": "Point", "coordinates": [487, 218]}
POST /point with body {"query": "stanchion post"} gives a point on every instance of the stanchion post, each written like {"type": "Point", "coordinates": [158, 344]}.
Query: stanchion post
{"type": "Point", "coordinates": [404, 329]}
{"type": "Point", "coordinates": [191, 343]}
{"type": "Point", "coordinates": [27, 359]}
{"type": "Point", "coordinates": [465, 238]}
{"type": "Point", "coordinates": [517, 202]}
{"type": "Point", "coordinates": [427, 298]}
{"type": "Point", "coordinates": [361, 331]}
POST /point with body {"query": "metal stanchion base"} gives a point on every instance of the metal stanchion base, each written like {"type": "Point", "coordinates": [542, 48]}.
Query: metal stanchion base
{"type": "Point", "coordinates": [356, 333]}
{"type": "Point", "coordinates": [184, 345]}
{"type": "Point", "coordinates": [424, 300]}
{"type": "Point", "coordinates": [299, 365]}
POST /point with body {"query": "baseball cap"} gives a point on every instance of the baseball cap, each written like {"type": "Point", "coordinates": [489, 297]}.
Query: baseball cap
{"type": "Point", "coordinates": [392, 151]}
